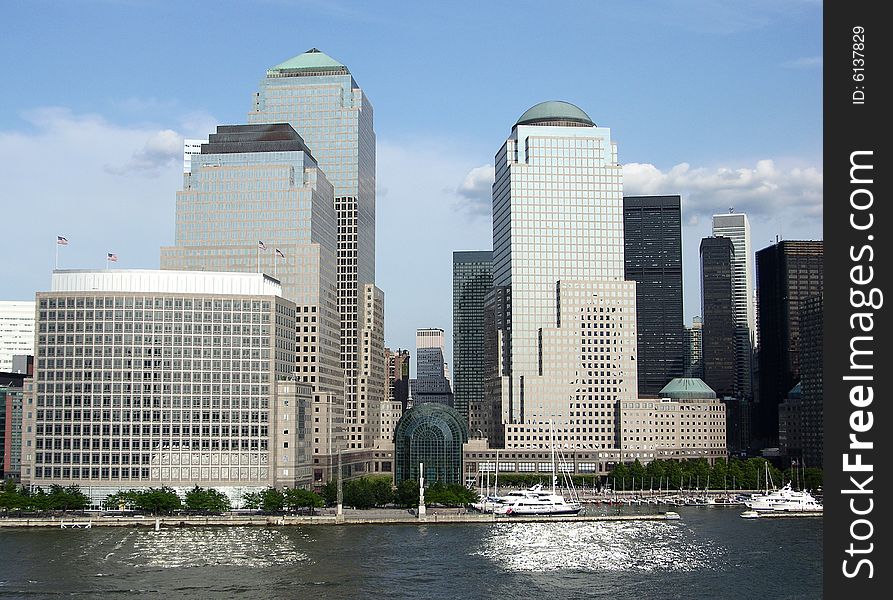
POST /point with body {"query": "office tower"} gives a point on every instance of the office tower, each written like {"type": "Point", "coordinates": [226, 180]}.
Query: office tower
{"type": "Point", "coordinates": [811, 379]}
{"type": "Point", "coordinates": [170, 378]}
{"type": "Point", "coordinates": [652, 253]}
{"type": "Point", "coordinates": [431, 383]}
{"type": "Point", "coordinates": [736, 227]}
{"type": "Point", "coordinates": [788, 273]}
{"type": "Point", "coordinates": [694, 358]}
{"type": "Point", "coordinates": [319, 97]}
{"type": "Point", "coordinates": [365, 423]}
{"type": "Point", "coordinates": [569, 353]}
{"type": "Point", "coordinates": [11, 397]}
{"type": "Point", "coordinates": [472, 280]}
{"type": "Point", "coordinates": [790, 424]}
{"type": "Point", "coordinates": [398, 375]}
{"type": "Point", "coordinates": [16, 331]}
{"type": "Point", "coordinates": [718, 313]}
{"type": "Point", "coordinates": [257, 201]}
{"type": "Point", "coordinates": [429, 345]}
{"type": "Point", "coordinates": [485, 418]}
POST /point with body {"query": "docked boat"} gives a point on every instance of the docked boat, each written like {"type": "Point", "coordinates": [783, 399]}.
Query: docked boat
{"type": "Point", "coordinates": [784, 500]}
{"type": "Point", "coordinates": [750, 514]}
{"type": "Point", "coordinates": [535, 501]}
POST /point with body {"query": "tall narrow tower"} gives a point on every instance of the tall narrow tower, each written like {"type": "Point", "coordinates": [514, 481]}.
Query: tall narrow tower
{"type": "Point", "coordinates": [319, 97]}
{"type": "Point", "coordinates": [569, 353]}
{"type": "Point", "coordinates": [736, 227]}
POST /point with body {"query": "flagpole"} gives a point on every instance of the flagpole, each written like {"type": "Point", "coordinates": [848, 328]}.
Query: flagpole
{"type": "Point", "coordinates": [56, 267]}
{"type": "Point", "coordinates": [275, 265]}
{"type": "Point", "coordinates": [258, 258]}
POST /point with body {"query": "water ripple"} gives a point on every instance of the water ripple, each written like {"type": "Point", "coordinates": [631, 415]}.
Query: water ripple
{"type": "Point", "coordinates": [620, 546]}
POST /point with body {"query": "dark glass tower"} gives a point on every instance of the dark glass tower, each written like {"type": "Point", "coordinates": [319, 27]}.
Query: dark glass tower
{"type": "Point", "coordinates": [811, 367]}
{"type": "Point", "coordinates": [718, 311]}
{"type": "Point", "coordinates": [652, 239]}
{"type": "Point", "coordinates": [472, 280]}
{"type": "Point", "coordinates": [788, 273]}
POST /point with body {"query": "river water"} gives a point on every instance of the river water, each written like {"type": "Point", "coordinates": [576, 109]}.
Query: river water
{"type": "Point", "coordinates": [709, 553]}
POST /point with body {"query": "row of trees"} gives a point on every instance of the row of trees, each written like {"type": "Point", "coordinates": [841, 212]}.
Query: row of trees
{"type": "Point", "coordinates": [165, 500]}
{"type": "Point", "coordinates": [368, 492]}
{"type": "Point", "coordinates": [288, 499]}
{"type": "Point", "coordinates": [17, 498]}
{"type": "Point", "coordinates": [737, 474]}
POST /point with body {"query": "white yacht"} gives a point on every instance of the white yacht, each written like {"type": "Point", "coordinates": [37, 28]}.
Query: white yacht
{"type": "Point", "coordinates": [784, 500]}
{"type": "Point", "coordinates": [535, 501]}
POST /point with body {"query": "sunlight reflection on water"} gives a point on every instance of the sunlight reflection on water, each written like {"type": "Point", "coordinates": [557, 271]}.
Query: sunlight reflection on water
{"type": "Point", "coordinates": [199, 547]}
{"type": "Point", "coordinates": [641, 545]}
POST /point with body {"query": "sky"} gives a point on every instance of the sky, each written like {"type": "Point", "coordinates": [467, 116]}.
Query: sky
{"type": "Point", "coordinates": [717, 101]}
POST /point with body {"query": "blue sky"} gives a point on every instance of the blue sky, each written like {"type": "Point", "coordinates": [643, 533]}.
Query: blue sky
{"type": "Point", "coordinates": [717, 101]}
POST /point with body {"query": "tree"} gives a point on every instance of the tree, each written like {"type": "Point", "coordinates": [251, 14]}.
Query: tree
{"type": "Point", "coordinates": [272, 500]}
{"type": "Point", "coordinates": [330, 492]}
{"type": "Point", "coordinates": [207, 500]}
{"type": "Point", "coordinates": [407, 493]}
{"type": "Point", "coordinates": [300, 498]}
{"type": "Point", "coordinates": [253, 500]}
{"type": "Point", "coordinates": [157, 500]}
{"type": "Point", "coordinates": [359, 493]}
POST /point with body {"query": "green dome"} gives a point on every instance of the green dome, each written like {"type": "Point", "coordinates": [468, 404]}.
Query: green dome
{"type": "Point", "coordinates": [555, 112]}
{"type": "Point", "coordinates": [687, 388]}
{"type": "Point", "coordinates": [312, 60]}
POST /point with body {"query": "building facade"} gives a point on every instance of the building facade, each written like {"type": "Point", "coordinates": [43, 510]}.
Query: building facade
{"type": "Point", "coordinates": [694, 354]}
{"type": "Point", "coordinates": [718, 312]}
{"type": "Point", "coordinates": [430, 358]}
{"type": "Point", "coordinates": [811, 380]}
{"type": "Point", "coordinates": [365, 420]}
{"type": "Point", "coordinates": [568, 348]}
{"type": "Point", "coordinates": [788, 273]}
{"type": "Point", "coordinates": [16, 331]}
{"type": "Point", "coordinates": [319, 97]}
{"type": "Point", "coordinates": [149, 378]}
{"type": "Point", "coordinates": [652, 236]}
{"type": "Point", "coordinates": [224, 222]}
{"type": "Point", "coordinates": [397, 387]}
{"type": "Point", "coordinates": [686, 422]}
{"type": "Point", "coordinates": [430, 436]}
{"type": "Point", "coordinates": [472, 281]}
{"type": "Point", "coordinates": [12, 387]}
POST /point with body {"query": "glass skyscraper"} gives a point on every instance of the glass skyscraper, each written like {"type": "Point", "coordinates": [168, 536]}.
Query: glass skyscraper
{"type": "Point", "coordinates": [558, 250]}
{"type": "Point", "coordinates": [319, 97]}
{"type": "Point", "coordinates": [736, 227]}
{"type": "Point", "coordinates": [718, 311]}
{"type": "Point", "coordinates": [256, 200]}
{"type": "Point", "coordinates": [652, 234]}
{"type": "Point", "coordinates": [472, 281]}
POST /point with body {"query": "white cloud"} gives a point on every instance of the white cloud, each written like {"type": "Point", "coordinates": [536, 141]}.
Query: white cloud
{"type": "Point", "coordinates": [762, 191]}
{"type": "Point", "coordinates": [476, 190]}
{"type": "Point", "coordinates": [163, 149]}
{"type": "Point", "coordinates": [806, 62]}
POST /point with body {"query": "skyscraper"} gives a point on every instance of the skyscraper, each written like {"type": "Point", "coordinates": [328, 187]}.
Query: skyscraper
{"type": "Point", "coordinates": [430, 384]}
{"type": "Point", "coordinates": [718, 312]}
{"type": "Point", "coordinates": [365, 424]}
{"type": "Point", "coordinates": [570, 346]}
{"type": "Point", "coordinates": [472, 281]}
{"type": "Point", "coordinates": [16, 331]}
{"type": "Point", "coordinates": [652, 236]}
{"type": "Point", "coordinates": [811, 378]}
{"type": "Point", "coordinates": [788, 273]}
{"type": "Point", "coordinates": [694, 357]}
{"type": "Point", "coordinates": [244, 176]}
{"type": "Point", "coordinates": [319, 97]}
{"type": "Point", "coordinates": [429, 345]}
{"type": "Point", "coordinates": [397, 386]}
{"type": "Point", "coordinates": [736, 227]}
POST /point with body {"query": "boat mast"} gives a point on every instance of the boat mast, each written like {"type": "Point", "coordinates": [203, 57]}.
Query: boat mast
{"type": "Point", "coordinates": [552, 443]}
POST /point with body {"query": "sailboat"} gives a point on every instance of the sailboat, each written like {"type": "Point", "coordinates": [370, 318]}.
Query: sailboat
{"type": "Point", "coordinates": [536, 501]}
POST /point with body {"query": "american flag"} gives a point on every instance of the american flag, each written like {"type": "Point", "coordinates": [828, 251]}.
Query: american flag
{"type": "Point", "coordinates": [112, 257]}
{"type": "Point", "coordinates": [279, 253]}
{"type": "Point", "coordinates": [261, 245]}
{"type": "Point", "coordinates": [61, 240]}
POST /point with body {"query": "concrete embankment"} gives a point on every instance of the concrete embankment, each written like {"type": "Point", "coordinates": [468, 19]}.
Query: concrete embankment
{"type": "Point", "coordinates": [355, 518]}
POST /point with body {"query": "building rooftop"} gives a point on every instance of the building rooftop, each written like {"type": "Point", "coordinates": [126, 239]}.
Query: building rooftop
{"type": "Point", "coordinates": [555, 112]}
{"type": "Point", "coordinates": [313, 61]}
{"type": "Point", "coordinates": [165, 281]}
{"type": "Point", "coordinates": [687, 388]}
{"type": "Point", "coordinates": [795, 393]}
